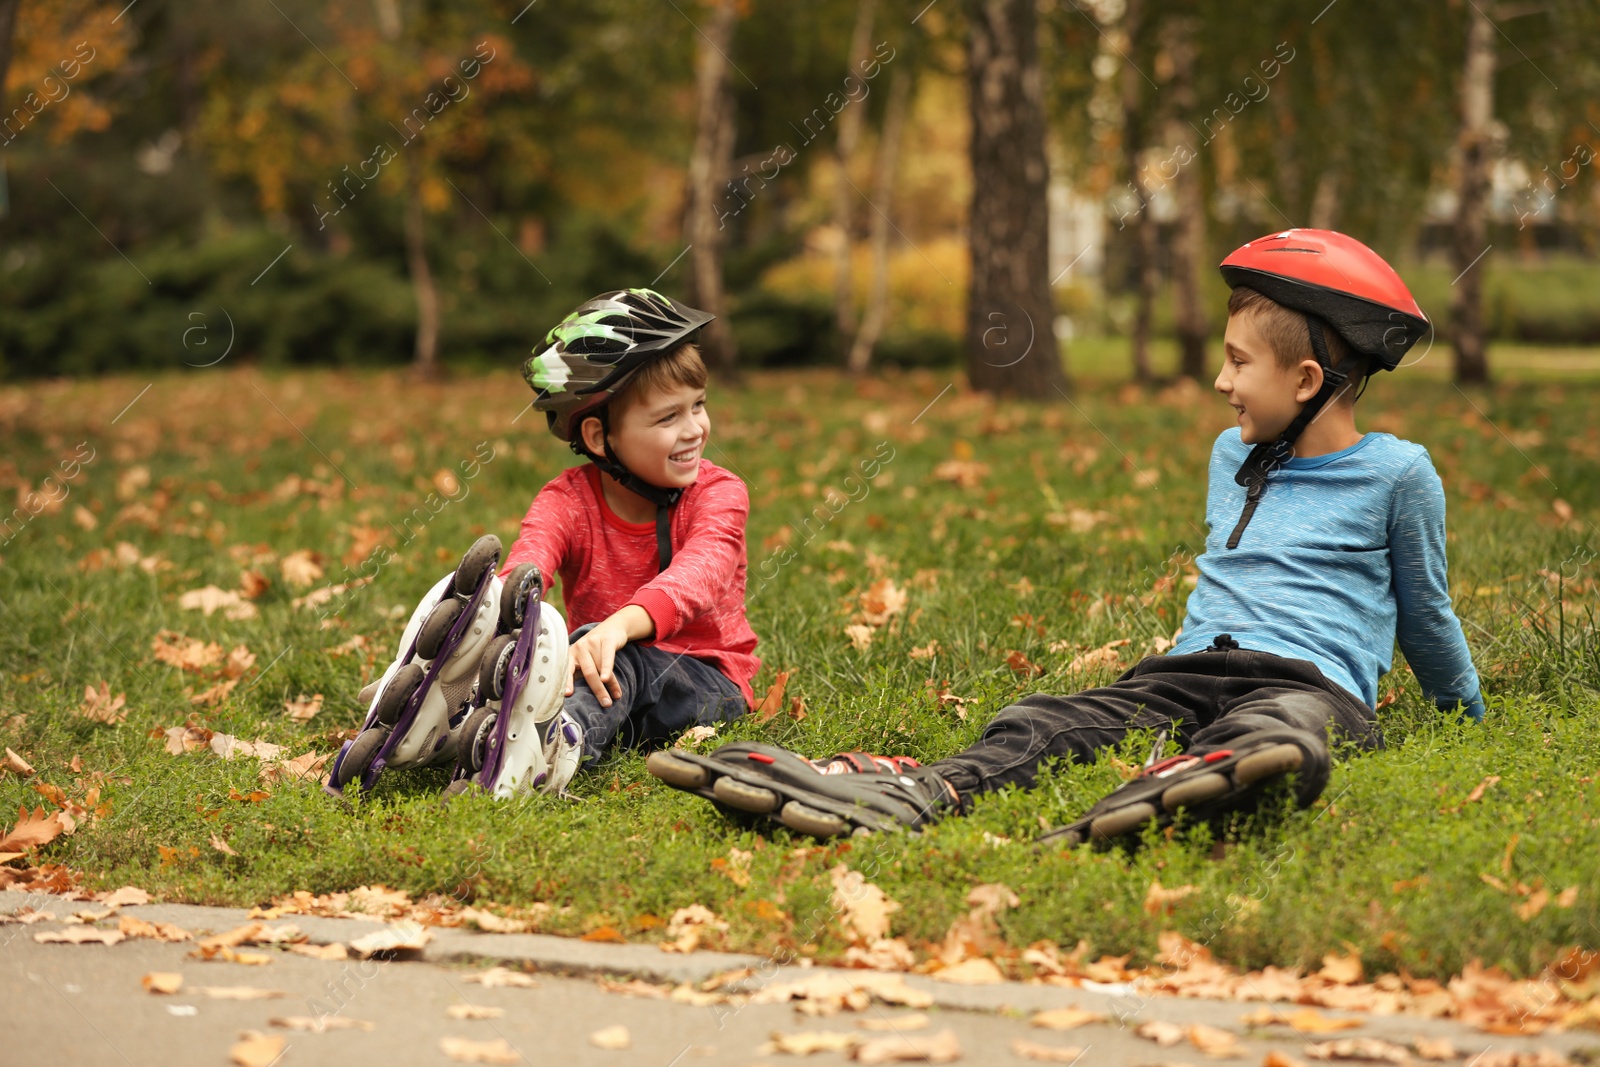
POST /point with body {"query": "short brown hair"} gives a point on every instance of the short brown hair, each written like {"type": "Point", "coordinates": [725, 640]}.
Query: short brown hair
{"type": "Point", "coordinates": [681, 366]}
{"type": "Point", "coordinates": [1284, 329]}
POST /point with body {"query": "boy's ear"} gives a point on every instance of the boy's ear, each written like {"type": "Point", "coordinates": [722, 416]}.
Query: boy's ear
{"type": "Point", "coordinates": [1308, 380]}
{"type": "Point", "coordinates": [593, 434]}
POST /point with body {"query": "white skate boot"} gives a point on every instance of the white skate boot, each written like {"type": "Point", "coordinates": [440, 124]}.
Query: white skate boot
{"type": "Point", "coordinates": [519, 740]}
{"type": "Point", "coordinates": [426, 689]}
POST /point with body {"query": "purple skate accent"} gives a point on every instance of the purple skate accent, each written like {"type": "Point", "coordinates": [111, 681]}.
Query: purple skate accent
{"type": "Point", "coordinates": [570, 732]}
{"type": "Point", "coordinates": [408, 714]}
{"type": "Point", "coordinates": [538, 780]}
{"type": "Point", "coordinates": [516, 680]}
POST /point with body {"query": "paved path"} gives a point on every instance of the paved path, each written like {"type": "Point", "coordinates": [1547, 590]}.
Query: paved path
{"type": "Point", "coordinates": [84, 1005]}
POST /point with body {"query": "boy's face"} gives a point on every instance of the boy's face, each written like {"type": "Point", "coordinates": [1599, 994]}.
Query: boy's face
{"type": "Point", "coordinates": [661, 435]}
{"type": "Point", "coordinates": [1266, 396]}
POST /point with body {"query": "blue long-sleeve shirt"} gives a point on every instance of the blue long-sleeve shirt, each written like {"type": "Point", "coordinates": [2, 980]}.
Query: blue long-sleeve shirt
{"type": "Point", "coordinates": [1345, 554]}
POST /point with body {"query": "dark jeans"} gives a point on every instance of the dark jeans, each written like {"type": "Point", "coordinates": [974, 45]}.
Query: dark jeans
{"type": "Point", "coordinates": [663, 694]}
{"type": "Point", "coordinates": [1206, 699]}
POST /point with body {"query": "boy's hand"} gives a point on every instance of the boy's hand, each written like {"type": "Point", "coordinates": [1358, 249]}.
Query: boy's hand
{"type": "Point", "coordinates": [595, 653]}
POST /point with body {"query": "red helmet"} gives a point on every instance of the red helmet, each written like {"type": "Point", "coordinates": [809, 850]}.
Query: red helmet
{"type": "Point", "coordinates": [1339, 280]}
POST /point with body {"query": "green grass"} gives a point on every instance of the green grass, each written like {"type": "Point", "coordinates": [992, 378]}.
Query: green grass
{"type": "Point", "coordinates": [1392, 865]}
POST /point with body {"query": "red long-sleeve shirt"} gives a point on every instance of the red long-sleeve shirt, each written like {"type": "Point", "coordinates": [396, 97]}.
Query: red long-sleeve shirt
{"type": "Point", "coordinates": [697, 603]}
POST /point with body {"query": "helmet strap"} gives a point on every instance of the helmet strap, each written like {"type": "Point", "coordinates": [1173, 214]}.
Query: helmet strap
{"type": "Point", "coordinates": [663, 499]}
{"type": "Point", "coordinates": [1268, 456]}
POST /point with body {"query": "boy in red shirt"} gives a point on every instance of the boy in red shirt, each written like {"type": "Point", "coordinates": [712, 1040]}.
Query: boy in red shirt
{"type": "Point", "coordinates": [648, 539]}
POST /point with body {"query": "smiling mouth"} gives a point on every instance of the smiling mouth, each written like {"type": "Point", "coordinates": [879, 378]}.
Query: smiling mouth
{"type": "Point", "coordinates": [685, 456]}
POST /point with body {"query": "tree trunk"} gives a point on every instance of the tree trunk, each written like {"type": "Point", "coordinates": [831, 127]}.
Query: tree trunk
{"type": "Point", "coordinates": [849, 132]}
{"type": "Point", "coordinates": [1144, 227]}
{"type": "Point", "coordinates": [1189, 233]}
{"type": "Point", "coordinates": [1011, 342]}
{"type": "Point", "coordinates": [894, 122]}
{"type": "Point", "coordinates": [708, 167]}
{"type": "Point", "coordinates": [425, 359]}
{"type": "Point", "coordinates": [1475, 142]}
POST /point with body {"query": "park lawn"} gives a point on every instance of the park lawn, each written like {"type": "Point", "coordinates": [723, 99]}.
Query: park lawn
{"type": "Point", "coordinates": [1041, 530]}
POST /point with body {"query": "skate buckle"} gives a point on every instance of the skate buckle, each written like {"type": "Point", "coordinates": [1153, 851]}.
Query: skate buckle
{"type": "Point", "coordinates": [759, 757]}
{"type": "Point", "coordinates": [1212, 757]}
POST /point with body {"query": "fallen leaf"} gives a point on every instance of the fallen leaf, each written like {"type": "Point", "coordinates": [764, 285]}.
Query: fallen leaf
{"type": "Point", "coordinates": [132, 926]}
{"type": "Point", "coordinates": [79, 935]}
{"type": "Point", "coordinates": [968, 474]}
{"type": "Point", "coordinates": [229, 747]}
{"type": "Point", "coordinates": [1022, 665]}
{"type": "Point", "coordinates": [862, 906]}
{"type": "Point", "coordinates": [1212, 1040]}
{"type": "Point", "coordinates": [1161, 1032]}
{"type": "Point", "coordinates": [32, 830]}
{"type": "Point", "coordinates": [466, 1050]}
{"type": "Point", "coordinates": [1344, 970]}
{"type": "Point", "coordinates": [772, 703]}
{"type": "Point", "coordinates": [1305, 1021]}
{"type": "Point", "coordinates": [1533, 905]}
{"type": "Point", "coordinates": [222, 846]}
{"type": "Point", "coordinates": [321, 1024]}
{"type": "Point", "coordinates": [1275, 1058]}
{"type": "Point", "coordinates": [805, 1042]}
{"type": "Point", "coordinates": [252, 584]}
{"type": "Point", "coordinates": [1159, 901]}
{"type": "Point", "coordinates": [16, 764]}
{"type": "Point", "coordinates": [181, 739]}
{"type": "Point", "coordinates": [1479, 789]}
{"type": "Point", "coordinates": [305, 708]}
{"type": "Point", "coordinates": [405, 936]}
{"type": "Point", "coordinates": [942, 1047]}
{"type": "Point", "coordinates": [971, 972]}
{"type": "Point", "coordinates": [240, 992]}
{"type": "Point", "coordinates": [335, 951]}
{"type": "Point", "coordinates": [27, 916]}
{"type": "Point", "coordinates": [895, 1023]}
{"type": "Point", "coordinates": [612, 1037]}
{"type": "Point", "coordinates": [162, 982]}
{"type": "Point", "coordinates": [185, 653]}
{"type": "Point", "coordinates": [504, 977]}
{"type": "Point", "coordinates": [860, 636]}
{"type": "Point", "coordinates": [301, 568]}
{"type": "Point", "coordinates": [1104, 656]}
{"type": "Point", "coordinates": [928, 651]}
{"type": "Point", "coordinates": [239, 935]}
{"type": "Point", "coordinates": [100, 706]}
{"type": "Point", "coordinates": [494, 924]}
{"type": "Point", "coordinates": [1065, 1018]}
{"type": "Point", "coordinates": [473, 1011]}
{"type": "Point", "coordinates": [127, 896]}
{"type": "Point", "coordinates": [216, 694]}
{"type": "Point", "coordinates": [1434, 1048]}
{"type": "Point", "coordinates": [255, 1049]}
{"type": "Point", "coordinates": [210, 598]}
{"type": "Point", "coordinates": [1567, 897]}
{"type": "Point", "coordinates": [1359, 1048]}
{"type": "Point", "coordinates": [881, 601]}
{"type": "Point", "coordinates": [1031, 1050]}
{"type": "Point", "coordinates": [306, 767]}
{"type": "Point", "coordinates": [688, 926]}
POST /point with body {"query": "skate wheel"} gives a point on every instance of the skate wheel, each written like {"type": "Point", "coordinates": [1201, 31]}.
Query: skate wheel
{"type": "Point", "coordinates": [678, 772]}
{"type": "Point", "coordinates": [861, 831]}
{"type": "Point", "coordinates": [399, 690]}
{"type": "Point", "coordinates": [514, 594]}
{"type": "Point", "coordinates": [751, 798]}
{"type": "Point", "coordinates": [359, 757]}
{"type": "Point", "coordinates": [492, 668]}
{"type": "Point", "coordinates": [796, 816]}
{"type": "Point", "coordinates": [1195, 790]}
{"type": "Point", "coordinates": [477, 561]}
{"type": "Point", "coordinates": [1268, 763]}
{"type": "Point", "coordinates": [1116, 823]}
{"type": "Point", "coordinates": [475, 739]}
{"type": "Point", "coordinates": [430, 639]}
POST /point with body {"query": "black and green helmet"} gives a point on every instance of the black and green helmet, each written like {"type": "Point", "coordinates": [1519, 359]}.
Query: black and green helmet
{"type": "Point", "coordinates": [591, 353]}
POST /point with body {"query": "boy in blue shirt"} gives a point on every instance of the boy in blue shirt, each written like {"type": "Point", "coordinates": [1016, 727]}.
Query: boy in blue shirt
{"type": "Point", "coordinates": [1325, 546]}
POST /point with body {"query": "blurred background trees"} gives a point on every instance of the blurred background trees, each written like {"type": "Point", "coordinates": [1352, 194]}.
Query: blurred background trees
{"type": "Point", "coordinates": [851, 182]}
